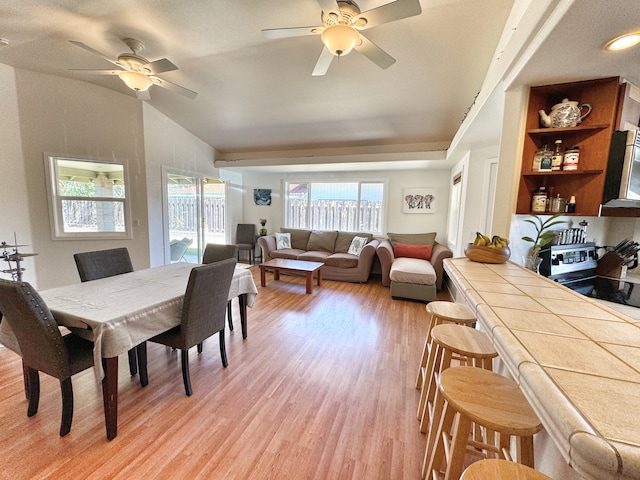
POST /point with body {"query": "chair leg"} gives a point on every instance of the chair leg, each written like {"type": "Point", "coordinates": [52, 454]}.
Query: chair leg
{"type": "Point", "coordinates": [33, 381]}
{"type": "Point", "coordinates": [185, 372]}
{"type": "Point", "coordinates": [200, 347]}
{"type": "Point", "coordinates": [25, 378]}
{"type": "Point", "coordinates": [223, 350]}
{"type": "Point", "coordinates": [229, 318]}
{"type": "Point", "coordinates": [141, 355]}
{"type": "Point", "coordinates": [67, 406]}
{"type": "Point", "coordinates": [133, 361]}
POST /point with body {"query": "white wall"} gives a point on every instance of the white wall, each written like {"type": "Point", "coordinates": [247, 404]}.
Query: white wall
{"type": "Point", "coordinates": [395, 220]}
{"type": "Point", "coordinates": [69, 117]}
{"type": "Point", "coordinates": [14, 202]}
{"type": "Point", "coordinates": [170, 145]}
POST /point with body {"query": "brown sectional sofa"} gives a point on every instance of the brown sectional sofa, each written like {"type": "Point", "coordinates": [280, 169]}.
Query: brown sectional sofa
{"type": "Point", "coordinates": [412, 278]}
{"type": "Point", "coordinates": [329, 247]}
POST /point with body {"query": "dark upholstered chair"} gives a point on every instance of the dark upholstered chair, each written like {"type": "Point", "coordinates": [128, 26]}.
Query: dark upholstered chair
{"type": "Point", "coordinates": [203, 312]}
{"type": "Point", "coordinates": [214, 252]}
{"type": "Point", "coordinates": [245, 233]}
{"type": "Point", "coordinates": [42, 347]}
{"type": "Point", "coordinates": [102, 264]}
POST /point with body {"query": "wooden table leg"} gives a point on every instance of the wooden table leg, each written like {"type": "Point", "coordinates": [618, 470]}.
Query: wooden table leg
{"type": "Point", "coordinates": [309, 282]}
{"type": "Point", "coordinates": [319, 276]}
{"type": "Point", "coordinates": [242, 300]}
{"type": "Point", "coordinates": [110, 396]}
{"type": "Point", "coordinates": [263, 280]}
{"type": "Point", "coordinates": [141, 357]}
{"type": "Point", "coordinates": [276, 274]}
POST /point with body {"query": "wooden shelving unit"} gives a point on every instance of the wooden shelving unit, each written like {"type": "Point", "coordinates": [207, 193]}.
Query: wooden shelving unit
{"type": "Point", "coordinates": [593, 136]}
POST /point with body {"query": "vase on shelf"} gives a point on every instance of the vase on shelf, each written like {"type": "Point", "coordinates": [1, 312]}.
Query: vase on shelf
{"type": "Point", "coordinates": [263, 232]}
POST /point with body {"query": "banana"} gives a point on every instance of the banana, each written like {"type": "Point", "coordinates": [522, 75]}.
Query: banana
{"type": "Point", "coordinates": [496, 241]}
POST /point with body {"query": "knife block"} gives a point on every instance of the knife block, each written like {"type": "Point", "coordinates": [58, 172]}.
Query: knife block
{"type": "Point", "coordinates": [611, 265]}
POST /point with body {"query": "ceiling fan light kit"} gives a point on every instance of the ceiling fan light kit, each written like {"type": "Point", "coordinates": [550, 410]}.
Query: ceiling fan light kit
{"type": "Point", "coordinates": [135, 81]}
{"type": "Point", "coordinates": [340, 32]}
{"type": "Point", "coordinates": [340, 39]}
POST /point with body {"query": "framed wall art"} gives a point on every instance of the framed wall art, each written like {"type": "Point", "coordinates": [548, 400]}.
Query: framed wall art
{"type": "Point", "coordinates": [419, 200]}
{"type": "Point", "coordinates": [262, 196]}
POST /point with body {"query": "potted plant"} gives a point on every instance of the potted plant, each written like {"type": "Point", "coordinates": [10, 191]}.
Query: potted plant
{"type": "Point", "coordinates": [263, 222]}
{"type": "Point", "coordinates": [544, 237]}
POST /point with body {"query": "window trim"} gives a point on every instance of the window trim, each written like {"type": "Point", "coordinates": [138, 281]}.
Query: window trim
{"type": "Point", "coordinates": [55, 200]}
{"type": "Point", "coordinates": [359, 181]}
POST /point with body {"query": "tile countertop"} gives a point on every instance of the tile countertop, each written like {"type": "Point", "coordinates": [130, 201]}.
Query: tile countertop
{"type": "Point", "coordinates": [576, 360]}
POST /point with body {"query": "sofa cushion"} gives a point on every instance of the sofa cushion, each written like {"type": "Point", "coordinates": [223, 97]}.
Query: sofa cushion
{"type": "Point", "coordinates": [412, 238]}
{"type": "Point", "coordinates": [344, 239]}
{"type": "Point", "coordinates": [322, 241]}
{"type": "Point", "coordinates": [314, 256]}
{"type": "Point", "coordinates": [342, 260]}
{"type": "Point", "coordinates": [412, 251]}
{"type": "Point", "coordinates": [412, 270]}
{"type": "Point", "coordinates": [299, 237]}
{"type": "Point", "coordinates": [290, 253]}
{"type": "Point", "coordinates": [283, 241]}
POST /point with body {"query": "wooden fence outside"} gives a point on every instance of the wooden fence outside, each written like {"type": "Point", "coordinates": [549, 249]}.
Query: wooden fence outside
{"type": "Point", "coordinates": [335, 215]}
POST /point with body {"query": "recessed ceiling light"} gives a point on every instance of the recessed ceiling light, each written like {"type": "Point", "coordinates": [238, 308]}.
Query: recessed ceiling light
{"type": "Point", "coordinates": [623, 41]}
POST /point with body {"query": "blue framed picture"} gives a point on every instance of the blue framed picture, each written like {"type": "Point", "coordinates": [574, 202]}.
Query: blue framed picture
{"type": "Point", "coordinates": [262, 196]}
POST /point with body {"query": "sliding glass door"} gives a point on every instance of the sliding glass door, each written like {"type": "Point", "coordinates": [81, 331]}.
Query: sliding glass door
{"type": "Point", "coordinates": [195, 207]}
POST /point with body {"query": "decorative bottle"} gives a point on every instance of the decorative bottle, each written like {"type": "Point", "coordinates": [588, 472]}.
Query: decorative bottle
{"type": "Point", "coordinates": [556, 161]}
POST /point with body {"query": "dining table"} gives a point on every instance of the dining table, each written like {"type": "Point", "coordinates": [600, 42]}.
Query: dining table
{"type": "Point", "coordinates": [120, 312]}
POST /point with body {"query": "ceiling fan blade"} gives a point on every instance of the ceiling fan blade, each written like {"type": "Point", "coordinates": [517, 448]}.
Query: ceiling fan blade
{"type": "Point", "coordinates": [389, 13]}
{"type": "Point", "coordinates": [95, 72]}
{"type": "Point", "coordinates": [374, 53]}
{"type": "Point", "coordinates": [290, 32]}
{"type": "Point", "coordinates": [174, 88]}
{"type": "Point", "coordinates": [323, 63]}
{"type": "Point", "coordinates": [94, 51]}
{"type": "Point", "coordinates": [143, 94]}
{"type": "Point", "coordinates": [329, 6]}
{"type": "Point", "coordinates": [161, 66]}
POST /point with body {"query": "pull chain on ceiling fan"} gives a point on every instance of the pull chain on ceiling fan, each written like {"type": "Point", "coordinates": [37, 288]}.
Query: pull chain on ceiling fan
{"type": "Point", "coordinates": [341, 27]}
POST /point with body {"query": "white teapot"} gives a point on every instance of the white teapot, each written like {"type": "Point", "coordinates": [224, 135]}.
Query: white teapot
{"type": "Point", "coordinates": [564, 114]}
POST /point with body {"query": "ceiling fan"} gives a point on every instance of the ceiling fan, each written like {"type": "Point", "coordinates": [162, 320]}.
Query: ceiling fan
{"type": "Point", "coordinates": [342, 22]}
{"type": "Point", "coordinates": [137, 72]}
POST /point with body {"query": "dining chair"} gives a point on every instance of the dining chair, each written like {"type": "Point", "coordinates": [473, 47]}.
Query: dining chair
{"type": "Point", "coordinates": [245, 233]}
{"type": "Point", "coordinates": [42, 347]}
{"type": "Point", "coordinates": [107, 263]}
{"type": "Point", "coordinates": [215, 252]}
{"type": "Point", "coordinates": [203, 312]}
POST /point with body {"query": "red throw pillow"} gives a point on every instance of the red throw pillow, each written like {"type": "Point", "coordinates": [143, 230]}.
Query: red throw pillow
{"type": "Point", "coordinates": [412, 251]}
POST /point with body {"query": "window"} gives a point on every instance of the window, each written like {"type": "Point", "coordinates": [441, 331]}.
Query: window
{"type": "Point", "coordinates": [87, 198]}
{"type": "Point", "coordinates": [349, 206]}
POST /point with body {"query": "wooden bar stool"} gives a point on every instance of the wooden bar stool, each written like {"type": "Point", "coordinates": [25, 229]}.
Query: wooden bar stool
{"type": "Point", "coordinates": [448, 341]}
{"type": "Point", "coordinates": [468, 395]}
{"type": "Point", "coordinates": [442, 312]}
{"type": "Point", "coordinates": [496, 469]}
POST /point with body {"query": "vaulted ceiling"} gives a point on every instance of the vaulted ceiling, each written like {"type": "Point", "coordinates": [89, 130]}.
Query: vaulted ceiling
{"type": "Point", "coordinates": [258, 95]}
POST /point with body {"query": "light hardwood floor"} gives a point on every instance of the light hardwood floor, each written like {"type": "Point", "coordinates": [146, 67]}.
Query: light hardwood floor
{"type": "Point", "coordinates": [322, 388]}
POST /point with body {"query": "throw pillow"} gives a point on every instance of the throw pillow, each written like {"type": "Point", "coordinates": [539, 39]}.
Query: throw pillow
{"type": "Point", "coordinates": [357, 244]}
{"type": "Point", "coordinates": [412, 251]}
{"type": "Point", "coordinates": [299, 238]}
{"type": "Point", "coordinates": [283, 240]}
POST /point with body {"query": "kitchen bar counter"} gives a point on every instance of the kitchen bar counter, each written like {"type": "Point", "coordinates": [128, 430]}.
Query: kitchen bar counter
{"type": "Point", "coordinates": [576, 360]}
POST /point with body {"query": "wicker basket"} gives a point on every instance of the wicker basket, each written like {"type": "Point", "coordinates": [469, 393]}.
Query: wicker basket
{"type": "Point", "coordinates": [482, 254]}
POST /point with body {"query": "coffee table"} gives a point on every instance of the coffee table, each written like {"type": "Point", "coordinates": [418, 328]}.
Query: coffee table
{"type": "Point", "coordinates": [284, 264]}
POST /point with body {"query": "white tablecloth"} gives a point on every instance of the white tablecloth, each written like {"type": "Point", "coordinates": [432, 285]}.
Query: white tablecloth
{"type": "Point", "coordinates": [117, 313]}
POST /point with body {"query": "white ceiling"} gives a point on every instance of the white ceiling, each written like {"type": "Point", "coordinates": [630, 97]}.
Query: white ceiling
{"type": "Point", "coordinates": [257, 96]}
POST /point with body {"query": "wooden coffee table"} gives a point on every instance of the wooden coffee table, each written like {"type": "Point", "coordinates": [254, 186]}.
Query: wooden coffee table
{"type": "Point", "coordinates": [283, 264]}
